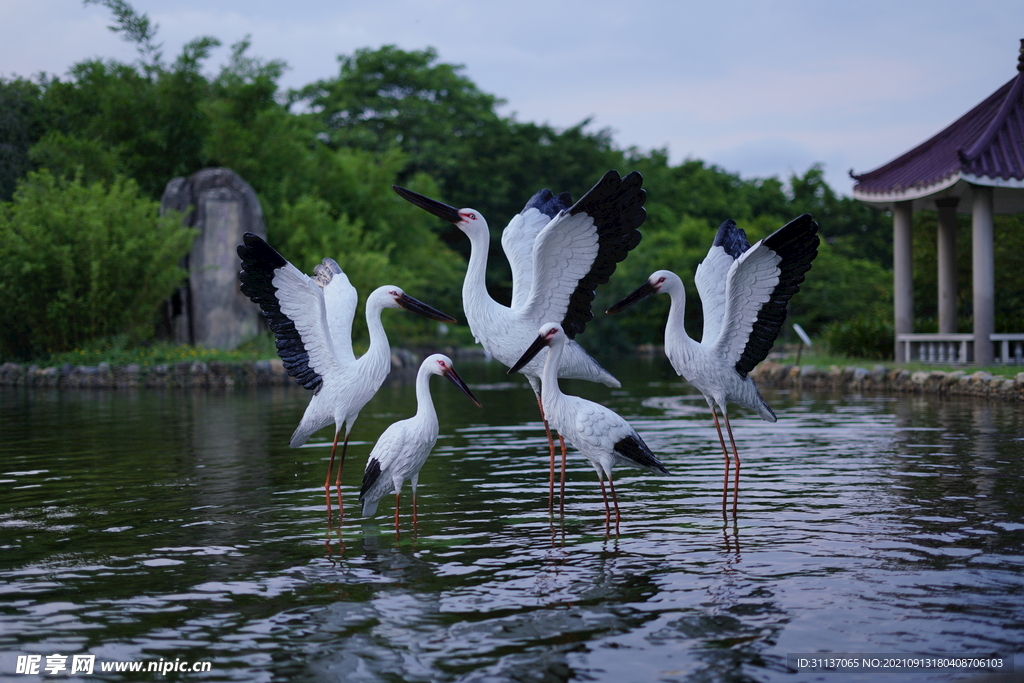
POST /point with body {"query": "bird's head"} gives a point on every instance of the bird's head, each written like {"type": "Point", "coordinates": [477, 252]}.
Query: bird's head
{"type": "Point", "coordinates": [550, 333]}
{"type": "Point", "coordinates": [659, 281]}
{"type": "Point", "coordinates": [440, 364]}
{"type": "Point", "coordinates": [390, 296]}
{"type": "Point", "coordinates": [468, 221]}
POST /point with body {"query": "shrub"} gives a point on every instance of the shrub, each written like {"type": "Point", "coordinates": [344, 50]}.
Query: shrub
{"type": "Point", "coordinates": [80, 262]}
{"type": "Point", "coordinates": [860, 337]}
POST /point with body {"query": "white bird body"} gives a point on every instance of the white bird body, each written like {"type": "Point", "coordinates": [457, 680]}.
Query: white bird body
{"type": "Point", "coordinates": [706, 364]}
{"type": "Point", "coordinates": [602, 436]}
{"type": "Point", "coordinates": [505, 332]}
{"type": "Point", "coordinates": [311, 318]}
{"type": "Point", "coordinates": [401, 451]}
{"type": "Point", "coordinates": [350, 384]}
{"type": "Point", "coordinates": [559, 252]}
{"type": "Point", "coordinates": [744, 291]}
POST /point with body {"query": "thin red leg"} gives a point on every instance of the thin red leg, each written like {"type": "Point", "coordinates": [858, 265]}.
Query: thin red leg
{"type": "Point", "coordinates": [607, 510]}
{"type": "Point", "coordinates": [341, 465]}
{"type": "Point", "coordinates": [725, 452]}
{"type": "Point", "coordinates": [736, 457]}
{"type": "Point", "coordinates": [396, 512]}
{"type": "Point", "coordinates": [551, 458]}
{"type": "Point", "coordinates": [414, 521]}
{"type": "Point", "coordinates": [561, 490]}
{"type": "Point", "coordinates": [615, 500]}
{"type": "Point", "coordinates": [327, 481]}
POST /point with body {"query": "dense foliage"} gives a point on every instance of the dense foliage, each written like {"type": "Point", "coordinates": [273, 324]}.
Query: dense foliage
{"type": "Point", "coordinates": [83, 261]}
{"type": "Point", "coordinates": [322, 159]}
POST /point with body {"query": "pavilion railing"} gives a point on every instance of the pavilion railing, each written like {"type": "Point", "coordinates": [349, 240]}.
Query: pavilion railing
{"type": "Point", "coordinates": [958, 349]}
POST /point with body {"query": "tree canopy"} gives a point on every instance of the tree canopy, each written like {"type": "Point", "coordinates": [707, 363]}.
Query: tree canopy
{"type": "Point", "coordinates": [322, 159]}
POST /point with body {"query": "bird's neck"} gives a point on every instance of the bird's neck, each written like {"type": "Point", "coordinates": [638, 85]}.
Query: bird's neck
{"type": "Point", "coordinates": [549, 391]}
{"type": "Point", "coordinates": [424, 403]}
{"type": "Point", "coordinates": [676, 339]}
{"type": "Point", "coordinates": [377, 358]}
{"type": "Point", "coordinates": [476, 302]}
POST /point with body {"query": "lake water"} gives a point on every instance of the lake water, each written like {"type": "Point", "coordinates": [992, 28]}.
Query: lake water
{"type": "Point", "coordinates": [176, 526]}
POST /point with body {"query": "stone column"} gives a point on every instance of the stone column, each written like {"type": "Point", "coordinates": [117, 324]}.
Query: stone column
{"type": "Point", "coordinates": [983, 274]}
{"type": "Point", "coordinates": [903, 275]}
{"type": "Point", "coordinates": [211, 311]}
{"type": "Point", "coordinates": [947, 263]}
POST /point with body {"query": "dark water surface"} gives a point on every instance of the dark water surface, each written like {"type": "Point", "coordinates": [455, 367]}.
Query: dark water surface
{"type": "Point", "coordinates": [177, 525]}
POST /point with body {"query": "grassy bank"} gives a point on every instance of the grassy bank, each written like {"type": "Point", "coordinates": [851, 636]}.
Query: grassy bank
{"type": "Point", "coordinates": [827, 361]}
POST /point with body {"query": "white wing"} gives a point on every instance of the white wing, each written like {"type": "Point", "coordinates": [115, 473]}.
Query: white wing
{"type": "Point", "coordinates": [751, 281]}
{"type": "Point", "coordinates": [340, 299]}
{"type": "Point", "coordinates": [518, 238]}
{"type": "Point", "coordinates": [294, 305]}
{"type": "Point", "coordinates": [579, 250]}
{"type": "Point", "coordinates": [563, 254]}
{"type": "Point", "coordinates": [302, 302]}
{"type": "Point", "coordinates": [710, 278]}
{"type": "Point", "coordinates": [712, 273]}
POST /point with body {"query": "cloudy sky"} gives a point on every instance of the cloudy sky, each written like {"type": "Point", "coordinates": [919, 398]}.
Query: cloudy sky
{"type": "Point", "coordinates": [758, 88]}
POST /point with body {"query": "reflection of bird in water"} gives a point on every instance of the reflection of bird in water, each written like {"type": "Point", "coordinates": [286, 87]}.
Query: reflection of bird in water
{"type": "Point", "coordinates": [402, 449]}
{"type": "Point", "coordinates": [311, 317]}
{"type": "Point", "coordinates": [559, 253]}
{"type": "Point", "coordinates": [603, 437]}
{"type": "Point", "coordinates": [744, 291]}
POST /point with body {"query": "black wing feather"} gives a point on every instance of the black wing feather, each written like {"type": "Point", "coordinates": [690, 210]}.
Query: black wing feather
{"type": "Point", "coordinates": [370, 476]}
{"type": "Point", "coordinates": [732, 239]}
{"type": "Point", "coordinates": [548, 203]}
{"type": "Point", "coordinates": [797, 245]}
{"type": "Point", "coordinates": [259, 263]}
{"type": "Point", "coordinates": [634, 448]}
{"type": "Point", "coordinates": [617, 207]}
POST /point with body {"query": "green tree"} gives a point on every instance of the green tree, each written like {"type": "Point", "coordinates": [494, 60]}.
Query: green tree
{"type": "Point", "coordinates": [850, 226]}
{"type": "Point", "coordinates": [147, 124]}
{"type": "Point", "coordinates": [388, 98]}
{"type": "Point", "coordinates": [80, 262]}
{"type": "Point", "coordinates": [21, 126]}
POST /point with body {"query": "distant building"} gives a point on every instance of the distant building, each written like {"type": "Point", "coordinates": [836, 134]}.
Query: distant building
{"type": "Point", "coordinates": [974, 166]}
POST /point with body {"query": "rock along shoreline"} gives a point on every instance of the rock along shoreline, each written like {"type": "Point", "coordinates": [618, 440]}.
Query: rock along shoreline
{"type": "Point", "coordinates": [272, 373]}
{"type": "Point", "coordinates": [183, 374]}
{"type": "Point", "coordinates": [879, 378]}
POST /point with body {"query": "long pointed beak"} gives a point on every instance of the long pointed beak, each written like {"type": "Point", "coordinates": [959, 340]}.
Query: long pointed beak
{"type": "Point", "coordinates": [454, 378]}
{"type": "Point", "coordinates": [420, 308]}
{"type": "Point", "coordinates": [642, 292]}
{"type": "Point", "coordinates": [433, 206]}
{"type": "Point", "coordinates": [538, 344]}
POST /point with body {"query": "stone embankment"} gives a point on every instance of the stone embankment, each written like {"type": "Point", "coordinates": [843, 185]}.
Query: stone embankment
{"type": "Point", "coordinates": [882, 379]}
{"type": "Point", "coordinates": [183, 374]}
{"type": "Point", "coordinates": [271, 372]}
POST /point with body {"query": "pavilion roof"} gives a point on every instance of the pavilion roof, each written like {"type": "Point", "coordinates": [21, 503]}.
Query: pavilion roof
{"type": "Point", "coordinates": [985, 146]}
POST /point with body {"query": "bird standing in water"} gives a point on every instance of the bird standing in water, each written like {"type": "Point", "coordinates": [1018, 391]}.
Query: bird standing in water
{"type": "Point", "coordinates": [744, 291]}
{"type": "Point", "coordinates": [601, 435]}
{"type": "Point", "coordinates": [559, 253]}
{"type": "Point", "coordinates": [402, 449]}
{"type": "Point", "coordinates": [311, 317]}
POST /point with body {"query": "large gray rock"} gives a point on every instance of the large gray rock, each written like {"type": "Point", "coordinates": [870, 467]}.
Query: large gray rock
{"type": "Point", "coordinates": [211, 311]}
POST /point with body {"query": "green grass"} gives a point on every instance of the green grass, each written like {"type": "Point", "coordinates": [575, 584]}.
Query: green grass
{"type": "Point", "coordinates": [826, 360]}
{"type": "Point", "coordinates": [118, 353]}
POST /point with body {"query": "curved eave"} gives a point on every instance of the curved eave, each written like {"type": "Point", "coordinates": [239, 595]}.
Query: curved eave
{"type": "Point", "coordinates": [986, 181]}
{"type": "Point", "coordinates": [885, 200]}
{"type": "Point", "coordinates": [1008, 194]}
